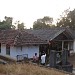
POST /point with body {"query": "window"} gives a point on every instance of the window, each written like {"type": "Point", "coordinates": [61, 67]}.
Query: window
{"type": "Point", "coordinates": [0, 47]}
{"type": "Point", "coordinates": [8, 49]}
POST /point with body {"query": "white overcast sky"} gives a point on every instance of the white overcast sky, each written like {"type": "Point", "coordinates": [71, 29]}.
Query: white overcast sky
{"type": "Point", "coordinates": [28, 11]}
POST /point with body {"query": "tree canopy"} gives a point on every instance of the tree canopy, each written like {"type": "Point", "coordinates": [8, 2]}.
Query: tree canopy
{"type": "Point", "coordinates": [43, 23]}
{"type": "Point", "coordinates": [68, 20]}
{"type": "Point", "coordinates": [6, 23]}
{"type": "Point", "coordinates": [20, 26]}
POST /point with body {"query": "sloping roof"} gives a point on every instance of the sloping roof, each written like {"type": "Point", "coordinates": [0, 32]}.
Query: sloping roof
{"type": "Point", "coordinates": [28, 36]}
{"type": "Point", "coordinates": [73, 33]}
{"type": "Point", "coordinates": [49, 34]}
{"type": "Point", "coordinates": [17, 37]}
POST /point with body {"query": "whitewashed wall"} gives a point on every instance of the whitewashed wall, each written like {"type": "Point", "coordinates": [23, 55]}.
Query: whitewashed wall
{"type": "Point", "coordinates": [14, 51]}
{"type": "Point", "coordinates": [30, 50]}
{"type": "Point", "coordinates": [3, 49]}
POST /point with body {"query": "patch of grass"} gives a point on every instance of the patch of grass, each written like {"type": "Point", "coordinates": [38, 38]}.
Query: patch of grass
{"type": "Point", "coordinates": [27, 69]}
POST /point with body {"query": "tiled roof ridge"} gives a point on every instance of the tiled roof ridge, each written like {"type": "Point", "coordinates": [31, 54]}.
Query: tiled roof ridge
{"type": "Point", "coordinates": [16, 35]}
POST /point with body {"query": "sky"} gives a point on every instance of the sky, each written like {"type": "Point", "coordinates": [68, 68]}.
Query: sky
{"type": "Point", "coordinates": [28, 11]}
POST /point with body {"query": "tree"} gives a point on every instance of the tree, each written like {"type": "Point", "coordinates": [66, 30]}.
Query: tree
{"type": "Point", "coordinates": [13, 27]}
{"type": "Point", "coordinates": [43, 23]}
{"type": "Point", "coordinates": [20, 26]}
{"type": "Point", "coordinates": [6, 23]}
{"type": "Point", "coordinates": [68, 20]}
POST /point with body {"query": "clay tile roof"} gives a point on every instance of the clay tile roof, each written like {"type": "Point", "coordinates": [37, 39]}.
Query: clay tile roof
{"type": "Point", "coordinates": [28, 36]}
{"type": "Point", "coordinates": [17, 37]}
{"type": "Point", "coordinates": [47, 34]}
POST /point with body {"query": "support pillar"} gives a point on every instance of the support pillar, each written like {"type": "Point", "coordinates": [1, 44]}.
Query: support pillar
{"type": "Point", "coordinates": [68, 46]}
{"type": "Point", "coordinates": [74, 46]}
{"type": "Point", "coordinates": [64, 57]}
{"type": "Point", "coordinates": [53, 58]}
{"type": "Point", "coordinates": [62, 45]}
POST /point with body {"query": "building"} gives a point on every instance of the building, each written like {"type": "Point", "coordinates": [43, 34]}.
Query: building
{"type": "Point", "coordinates": [16, 42]}
{"type": "Point", "coordinates": [57, 38]}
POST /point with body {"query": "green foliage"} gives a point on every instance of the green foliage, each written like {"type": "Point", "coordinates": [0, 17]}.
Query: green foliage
{"type": "Point", "coordinates": [68, 20]}
{"type": "Point", "coordinates": [13, 27]}
{"type": "Point", "coordinates": [43, 23]}
{"type": "Point", "coordinates": [6, 23]}
{"type": "Point", "coordinates": [21, 26]}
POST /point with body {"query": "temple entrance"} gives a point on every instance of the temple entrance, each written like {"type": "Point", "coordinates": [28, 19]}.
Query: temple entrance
{"type": "Point", "coordinates": [59, 43]}
{"type": "Point", "coordinates": [55, 45]}
{"type": "Point", "coordinates": [44, 49]}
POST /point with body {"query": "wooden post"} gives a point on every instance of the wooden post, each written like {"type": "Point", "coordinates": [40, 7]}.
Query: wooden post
{"type": "Point", "coordinates": [53, 58]}
{"type": "Point", "coordinates": [62, 45]}
{"type": "Point", "coordinates": [64, 57]}
{"type": "Point", "coordinates": [68, 45]}
{"type": "Point", "coordinates": [74, 46]}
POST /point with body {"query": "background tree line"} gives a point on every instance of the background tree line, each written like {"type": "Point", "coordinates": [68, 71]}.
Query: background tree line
{"type": "Point", "coordinates": [43, 23]}
{"type": "Point", "coordinates": [67, 19]}
{"type": "Point", "coordinates": [7, 24]}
